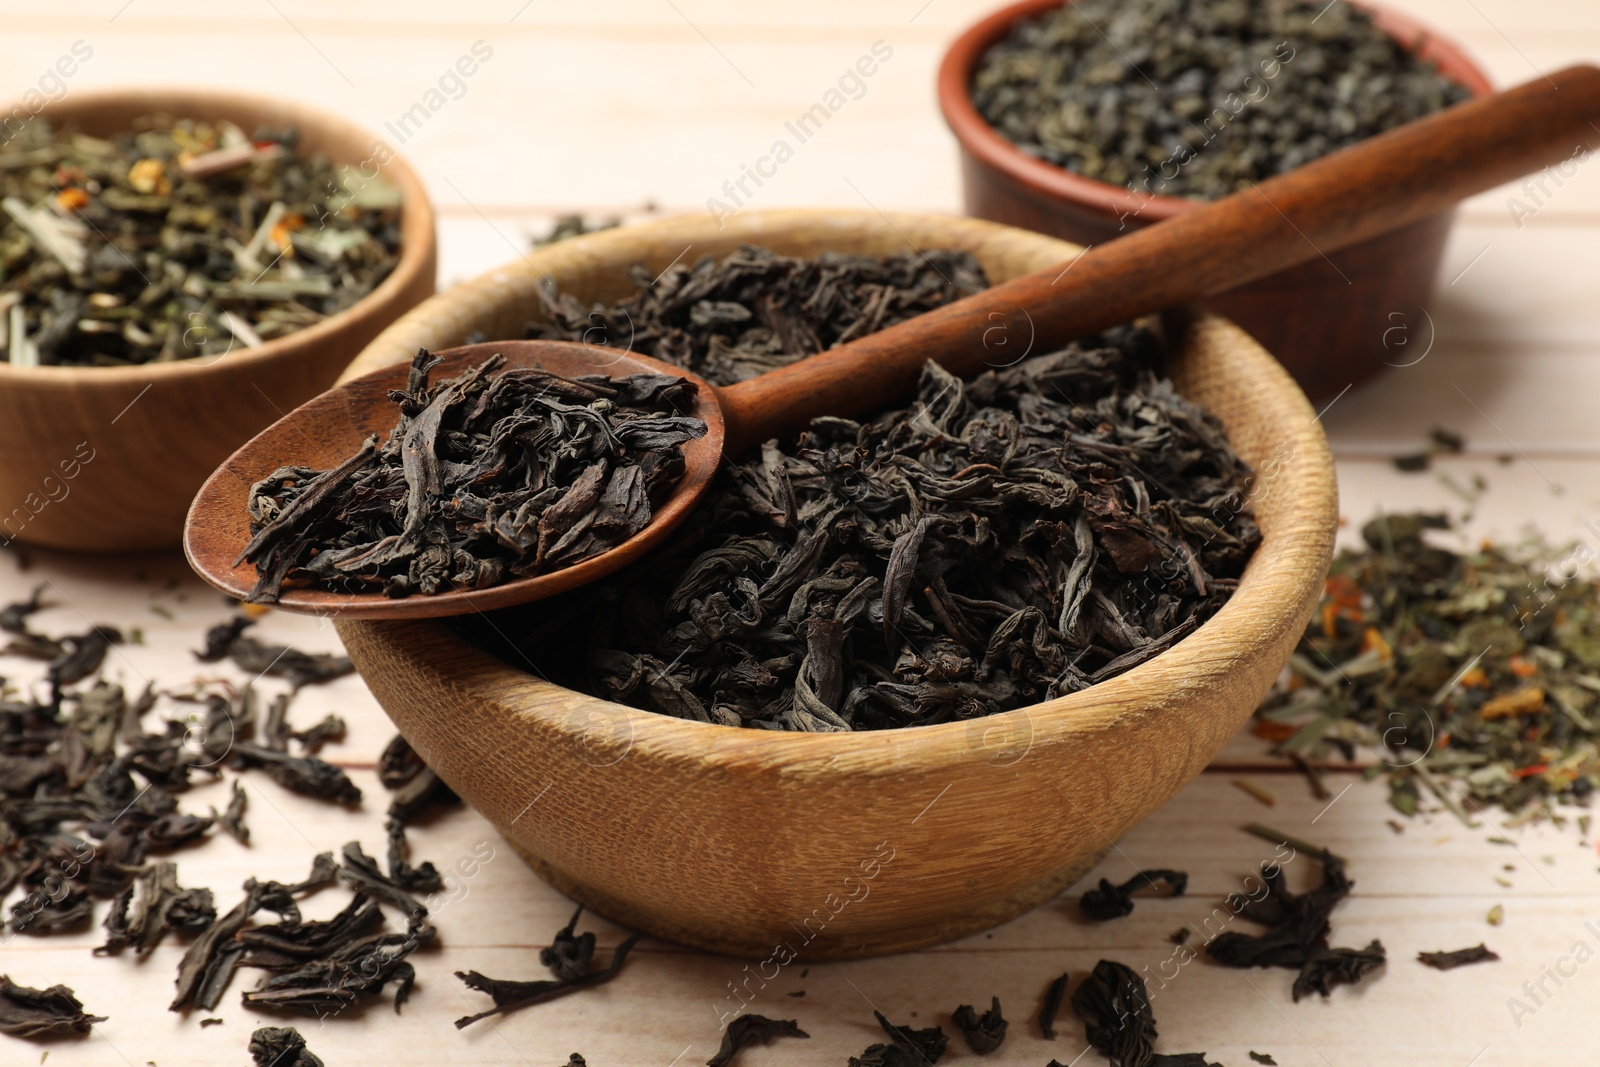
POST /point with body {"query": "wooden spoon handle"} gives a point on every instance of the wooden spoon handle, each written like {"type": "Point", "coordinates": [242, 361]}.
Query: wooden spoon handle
{"type": "Point", "coordinates": [1378, 185]}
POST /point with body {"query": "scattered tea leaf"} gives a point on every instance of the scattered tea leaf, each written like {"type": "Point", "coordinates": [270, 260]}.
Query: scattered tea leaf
{"type": "Point", "coordinates": [37, 1013]}
{"type": "Point", "coordinates": [907, 1047]}
{"type": "Point", "coordinates": [1051, 1006]}
{"type": "Point", "coordinates": [1106, 901]}
{"type": "Point", "coordinates": [511, 995]}
{"type": "Point", "coordinates": [273, 1046]}
{"type": "Point", "coordinates": [747, 1030]}
{"type": "Point", "coordinates": [984, 1033]}
{"type": "Point", "coordinates": [1445, 961]}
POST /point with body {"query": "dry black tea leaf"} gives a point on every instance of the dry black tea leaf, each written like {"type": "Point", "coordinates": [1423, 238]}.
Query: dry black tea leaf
{"type": "Point", "coordinates": [288, 944]}
{"type": "Point", "coordinates": [749, 1030]}
{"type": "Point", "coordinates": [398, 763]}
{"type": "Point", "coordinates": [1262, 1057]}
{"type": "Point", "coordinates": [142, 914]}
{"type": "Point", "coordinates": [562, 958]}
{"type": "Point", "coordinates": [1000, 542]}
{"type": "Point", "coordinates": [229, 641]}
{"type": "Point", "coordinates": [1199, 98]}
{"type": "Point", "coordinates": [1051, 1007]}
{"type": "Point", "coordinates": [1329, 967]}
{"type": "Point", "coordinates": [906, 1047]}
{"type": "Point", "coordinates": [361, 872]}
{"type": "Point", "coordinates": [423, 878]}
{"type": "Point", "coordinates": [575, 1060]}
{"type": "Point", "coordinates": [1445, 961]}
{"type": "Point", "coordinates": [1116, 1014]}
{"type": "Point", "coordinates": [1298, 927]}
{"type": "Point", "coordinates": [306, 775]}
{"type": "Point", "coordinates": [216, 953]}
{"type": "Point", "coordinates": [569, 955]}
{"type": "Point", "coordinates": [273, 1046]}
{"type": "Point", "coordinates": [330, 984]}
{"type": "Point", "coordinates": [753, 310]}
{"type": "Point", "coordinates": [37, 1013]}
{"type": "Point", "coordinates": [1107, 901]}
{"type": "Point", "coordinates": [14, 617]}
{"type": "Point", "coordinates": [81, 656]}
{"type": "Point", "coordinates": [1118, 1020]}
{"type": "Point", "coordinates": [180, 238]}
{"type": "Point", "coordinates": [984, 1033]}
{"type": "Point", "coordinates": [494, 474]}
{"type": "Point", "coordinates": [232, 820]}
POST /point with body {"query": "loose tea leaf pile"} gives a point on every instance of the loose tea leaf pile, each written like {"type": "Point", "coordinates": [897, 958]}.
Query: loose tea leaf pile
{"type": "Point", "coordinates": [89, 794]}
{"type": "Point", "coordinates": [754, 310]}
{"type": "Point", "coordinates": [490, 475]}
{"type": "Point", "coordinates": [178, 239]}
{"type": "Point", "coordinates": [1475, 671]}
{"type": "Point", "coordinates": [906, 1047]}
{"type": "Point", "coordinates": [999, 542]}
{"type": "Point", "coordinates": [1199, 98]}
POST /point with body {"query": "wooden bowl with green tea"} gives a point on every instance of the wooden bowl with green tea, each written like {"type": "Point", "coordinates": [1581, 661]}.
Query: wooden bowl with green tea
{"type": "Point", "coordinates": [195, 321]}
{"type": "Point", "coordinates": [778, 845]}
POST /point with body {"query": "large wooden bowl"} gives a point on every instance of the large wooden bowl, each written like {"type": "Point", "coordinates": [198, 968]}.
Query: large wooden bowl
{"type": "Point", "coordinates": [107, 459]}
{"type": "Point", "coordinates": [840, 845]}
{"type": "Point", "coordinates": [1326, 320]}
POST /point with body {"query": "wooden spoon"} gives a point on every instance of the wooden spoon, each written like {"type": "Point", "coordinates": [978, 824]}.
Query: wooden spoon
{"type": "Point", "coordinates": [1373, 187]}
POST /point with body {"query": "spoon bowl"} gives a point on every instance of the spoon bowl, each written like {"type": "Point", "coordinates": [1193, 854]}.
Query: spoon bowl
{"type": "Point", "coordinates": [329, 429]}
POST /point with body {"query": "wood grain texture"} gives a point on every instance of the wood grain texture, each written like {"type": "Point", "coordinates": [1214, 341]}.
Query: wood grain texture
{"type": "Point", "coordinates": [739, 841]}
{"type": "Point", "coordinates": [142, 439]}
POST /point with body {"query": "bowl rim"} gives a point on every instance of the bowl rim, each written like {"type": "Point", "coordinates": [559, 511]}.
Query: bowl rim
{"type": "Point", "coordinates": [418, 228]}
{"type": "Point", "coordinates": [1259, 611]}
{"type": "Point", "coordinates": [985, 143]}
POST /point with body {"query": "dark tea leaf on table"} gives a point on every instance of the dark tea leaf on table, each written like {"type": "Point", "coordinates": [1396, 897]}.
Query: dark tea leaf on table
{"type": "Point", "coordinates": [562, 957]}
{"type": "Point", "coordinates": [306, 775]}
{"type": "Point", "coordinates": [1116, 1014]}
{"type": "Point", "coordinates": [1329, 967]}
{"type": "Point", "coordinates": [229, 641]}
{"type": "Point", "coordinates": [142, 914]}
{"type": "Point", "coordinates": [984, 1033]}
{"type": "Point", "coordinates": [274, 1046]}
{"type": "Point", "coordinates": [1051, 1006]}
{"type": "Point", "coordinates": [14, 616]}
{"type": "Point", "coordinates": [1107, 901]}
{"type": "Point", "coordinates": [495, 474]}
{"type": "Point", "coordinates": [749, 1030]}
{"type": "Point", "coordinates": [330, 984]}
{"type": "Point", "coordinates": [38, 1013]}
{"type": "Point", "coordinates": [1298, 928]}
{"type": "Point", "coordinates": [1262, 1057]}
{"type": "Point", "coordinates": [907, 1047]}
{"type": "Point", "coordinates": [569, 955]}
{"type": "Point", "coordinates": [361, 872]}
{"type": "Point", "coordinates": [1445, 961]}
{"type": "Point", "coordinates": [232, 820]}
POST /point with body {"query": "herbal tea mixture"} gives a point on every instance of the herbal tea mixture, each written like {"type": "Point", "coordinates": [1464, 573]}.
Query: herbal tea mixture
{"type": "Point", "coordinates": [999, 542]}
{"type": "Point", "coordinates": [1199, 98]}
{"type": "Point", "coordinates": [1475, 671]}
{"type": "Point", "coordinates": [497, 473]}
{"type": "Point", "coordinates": [178, 239]}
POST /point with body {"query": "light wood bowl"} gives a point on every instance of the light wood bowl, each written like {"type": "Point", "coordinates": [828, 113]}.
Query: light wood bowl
{"type": "Point", "coordinates": [842, 845]}
{"type": "Point", "coordinates": [107, 459]}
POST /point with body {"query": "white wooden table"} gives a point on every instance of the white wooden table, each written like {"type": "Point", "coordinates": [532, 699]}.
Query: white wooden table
{"type": "Point", "coordinates": [603, 107]}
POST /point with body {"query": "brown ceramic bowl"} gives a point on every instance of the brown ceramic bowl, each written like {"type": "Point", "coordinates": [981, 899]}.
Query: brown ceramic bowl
{"type": "Point", "coordinates": [107, 459]}
{"type": "Point", "coordinates": [839, 845]}
{"type": "Point", "coordinates": [1328, 332]}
